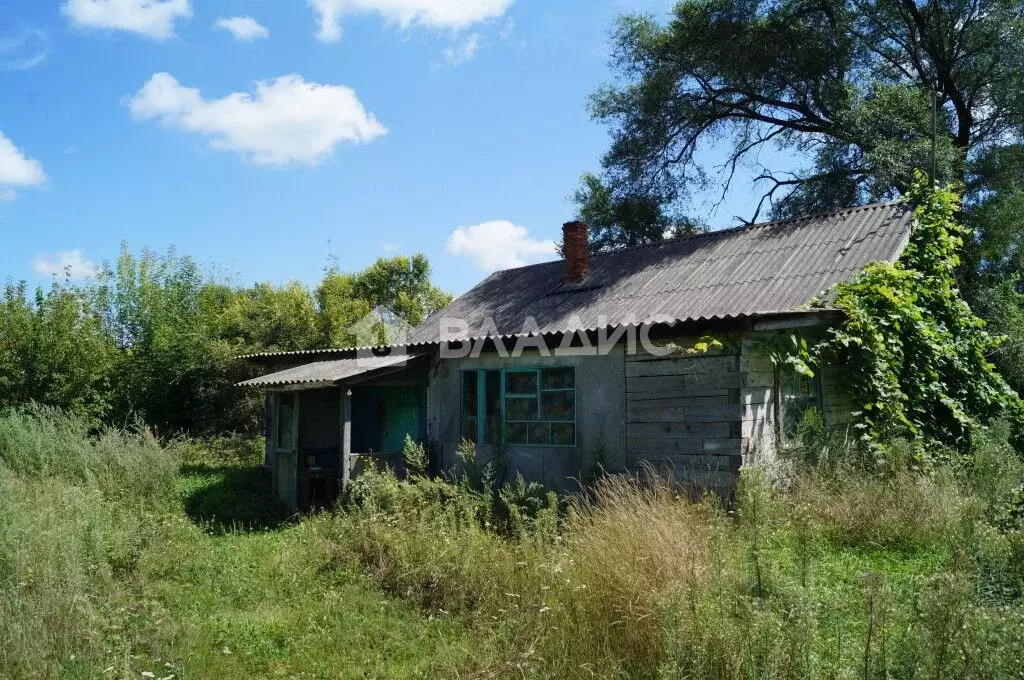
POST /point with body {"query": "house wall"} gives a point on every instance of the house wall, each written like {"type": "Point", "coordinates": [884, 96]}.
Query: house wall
{"type": "Point", "coordinates": [683, 414]}
{"type": "Point", "coordinates": [837, 405]}
{"type": "Point", "coordinates": [759, 416]}
{"type": "Point", "coordinates": [600, 417]}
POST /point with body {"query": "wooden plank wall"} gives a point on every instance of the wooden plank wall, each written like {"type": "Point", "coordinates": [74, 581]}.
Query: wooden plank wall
{"type": "Point", "coordinates": [683, 413]}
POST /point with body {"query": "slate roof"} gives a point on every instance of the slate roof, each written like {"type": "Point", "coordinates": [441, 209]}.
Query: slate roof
{"type": "Point", "coordinates": [761, 269]}
{"type": "Point", "coordinates": [329, 372]}
{"type": "Point", "coordinates": [755, 270]}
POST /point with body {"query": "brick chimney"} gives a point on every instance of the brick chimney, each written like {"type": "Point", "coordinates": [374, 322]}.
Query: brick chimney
{"type": "Point", "coordinates": [575, 251]}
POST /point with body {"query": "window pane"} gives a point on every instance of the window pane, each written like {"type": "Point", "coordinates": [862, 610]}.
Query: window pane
{"type": "Point", "coordinates": [540, 433]}
{"type": "Point", "coordinates": [558, 378]}
{"type": "Point", "coordinates": [469, 394]}
{"type": "Point", "coordinates": [521, 382]}
{"type": "Point", "coordinates": [286, 421]}
{"type": "Point", "coordinates": [516, 433]}
{"type": "Point", "coordinates": [558, 405]}
{"type": "Point", "coordinates": [798, 396]}
{"type": "Point", "coordinates": [563, 434]}
{"type": "Point", "coordinates": [469, 429]}
{"type": "Point", "coordinates": [492, 394]}
{"type": "Point", "coordinates": [521, 408]}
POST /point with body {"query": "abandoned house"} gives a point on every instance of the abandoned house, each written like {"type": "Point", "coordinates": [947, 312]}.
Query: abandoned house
{"type": "Point", "coordinates": [651, 355]}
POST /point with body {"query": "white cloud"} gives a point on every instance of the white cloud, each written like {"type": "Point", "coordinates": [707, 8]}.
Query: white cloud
{"type": "Point", "coordinates": [151, 18]}
{"type": "Point", "coordinates": [464, 51]}
{"type": "Point", "coordinates": [17, 169]}
{"type": "Point", "coordinates": [499, 244]}
{"type": "Point", "coordinates": [287, 121]}
{"type": "Point", "coordinates": [70, 263]}
{"type": "Point", "coordinates": [245, 29]}
{"type": "Point", "coordinates": [448, 14]}
{"type": "Point", "coordinates": [24, 50]}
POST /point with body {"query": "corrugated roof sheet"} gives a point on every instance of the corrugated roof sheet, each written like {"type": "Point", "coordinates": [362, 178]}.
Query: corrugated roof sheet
{"type": "Point", "coordinates": [756, 270]}
{"type": "Point", "coordinates": [329, 372]}
{"type": "Point", "coordinates": [766, 268]}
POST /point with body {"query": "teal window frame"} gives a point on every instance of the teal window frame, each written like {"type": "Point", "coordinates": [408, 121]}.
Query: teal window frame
{"type": "Point", "coordinates": [505, 395]}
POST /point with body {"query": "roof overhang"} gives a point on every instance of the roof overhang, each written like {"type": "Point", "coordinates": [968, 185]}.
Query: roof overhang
{"type": "Point", "coordinates": [332, 373]}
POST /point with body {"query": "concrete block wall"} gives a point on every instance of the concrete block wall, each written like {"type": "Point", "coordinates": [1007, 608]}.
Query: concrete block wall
{"type": "Point", "coordinates": [757, 399]}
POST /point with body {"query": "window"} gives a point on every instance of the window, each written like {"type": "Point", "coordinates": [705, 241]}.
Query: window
{"type": "Point", "coordinates": [533, 406]}
{"type": "Point", "coordinates": [285, 421]}
{"type": "Point", "coordinates": [798, 396]}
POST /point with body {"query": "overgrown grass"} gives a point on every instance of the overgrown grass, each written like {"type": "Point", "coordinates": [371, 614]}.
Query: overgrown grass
{"type": "Point", "coordinates": [107, 571]}
{"type": "Point", "coordinates": [840, 574]}
{"type": "Point", "coordinates": [120, 556]}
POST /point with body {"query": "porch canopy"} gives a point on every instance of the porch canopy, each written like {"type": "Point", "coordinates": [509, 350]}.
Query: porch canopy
{"type": "Point", "coordinates": [321, 374]}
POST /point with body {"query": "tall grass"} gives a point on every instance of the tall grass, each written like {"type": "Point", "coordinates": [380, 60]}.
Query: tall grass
{"type": "Point", "coordinates": [106, 571]}
{"type": "Point", "coordinates": [842, 574]}
{"type": "Point", "coordinates": [76, 511]}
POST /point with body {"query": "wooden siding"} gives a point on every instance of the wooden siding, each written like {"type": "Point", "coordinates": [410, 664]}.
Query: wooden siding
{"type": "Point", "coordinates": [683, 415]}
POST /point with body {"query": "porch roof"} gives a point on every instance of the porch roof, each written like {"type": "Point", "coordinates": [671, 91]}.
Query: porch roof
{"type": "Point", "coordinates": [333, 372]}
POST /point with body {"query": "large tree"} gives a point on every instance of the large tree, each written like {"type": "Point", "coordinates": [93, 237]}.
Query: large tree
{"type": "Point", "coordinates": [844, 86]}
{"type": "Point", "coordinates": [851, 96]}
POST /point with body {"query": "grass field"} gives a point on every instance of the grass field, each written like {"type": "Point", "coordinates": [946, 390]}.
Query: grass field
{"type": "Point", "coordinates": [120, 558]}
{"type": "Point", "coordinates": [207, 581]}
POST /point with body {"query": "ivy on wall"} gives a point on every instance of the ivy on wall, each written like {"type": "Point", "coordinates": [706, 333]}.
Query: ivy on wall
{"type": "Point", "coordinates": [917, 355]}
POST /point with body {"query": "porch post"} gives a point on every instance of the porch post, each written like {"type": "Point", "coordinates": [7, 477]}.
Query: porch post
{"type": "Point", "coordinates": [346, 437]}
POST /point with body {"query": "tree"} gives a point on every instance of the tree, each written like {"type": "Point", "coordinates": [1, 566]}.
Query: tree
{"type": "Point", "coordinates": [399, 284]}
{"type": "Point", "coordinates": [54, 350]}
{"type": "Point", "coordinates": [845, 84]}
{"type": "Point", "coordinates": [846, 89]}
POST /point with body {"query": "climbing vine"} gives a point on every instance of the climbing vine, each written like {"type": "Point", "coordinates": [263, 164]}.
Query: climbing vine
{"type": "Point", "coordinates": [917, 355]}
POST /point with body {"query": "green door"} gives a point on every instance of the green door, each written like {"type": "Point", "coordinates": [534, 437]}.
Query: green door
{"type": "Point", "coordinates": [401, 418]}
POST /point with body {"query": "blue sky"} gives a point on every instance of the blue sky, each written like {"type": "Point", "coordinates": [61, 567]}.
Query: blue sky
{"type": "Point", "coordinates": [268, 139]}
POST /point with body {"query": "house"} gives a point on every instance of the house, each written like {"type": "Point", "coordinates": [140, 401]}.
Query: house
{"type": "Point", "coordinates": [653, 355]}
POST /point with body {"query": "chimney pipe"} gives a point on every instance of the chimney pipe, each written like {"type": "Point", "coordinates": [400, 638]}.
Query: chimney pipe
{"type": "Point", "coordinates": [576, 252]}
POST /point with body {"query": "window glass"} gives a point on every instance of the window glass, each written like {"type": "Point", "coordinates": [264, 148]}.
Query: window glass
{"type": "Point", "coordinates": [558, 378]}
{"type": "Point", "coordinates": [559, 405]}
{"type": "Point", "coordinates": [799, 396]}
{"type": "Point", "coordinates": [540, 433]}
{"type": "Point", "coordinates": [563, 434]}
{"type": "Point", "coordinates": [492, 407]}
{"type": "Point", "coordinates": [285, 422]}
{"type": "Point", "coordinates": [469, 394]}
{"type": "Point", "coordinates": [520, 406]}
{"type": "Point", "coordinates": [521, 382]}
{"type": "Point", "coordinates": [516, 433]}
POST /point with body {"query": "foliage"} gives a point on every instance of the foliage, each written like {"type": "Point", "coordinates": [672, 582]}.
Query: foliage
{"type": "Point", "coordinates": [825, 104]}
{"type": "Point", "coordinates": [415, 456]}
{"type": "Point", "coordinates": [155, 338]}
{"type": "Point", "coordinates": [54, 350]}
{"type": "Point", "coordinates": [916, 355]}
{"type": "Point", "coordinates": [401, 285]}
{"type": "Point", "coordinates": [106, 569]}
{"type": "Point", "coordinates": [845, 84]}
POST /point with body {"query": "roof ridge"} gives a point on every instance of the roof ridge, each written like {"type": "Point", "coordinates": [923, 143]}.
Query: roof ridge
{"type": "Point", "coordinates": [751, 226]}
{"type": "Point", "coordinates": [714, 233]}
